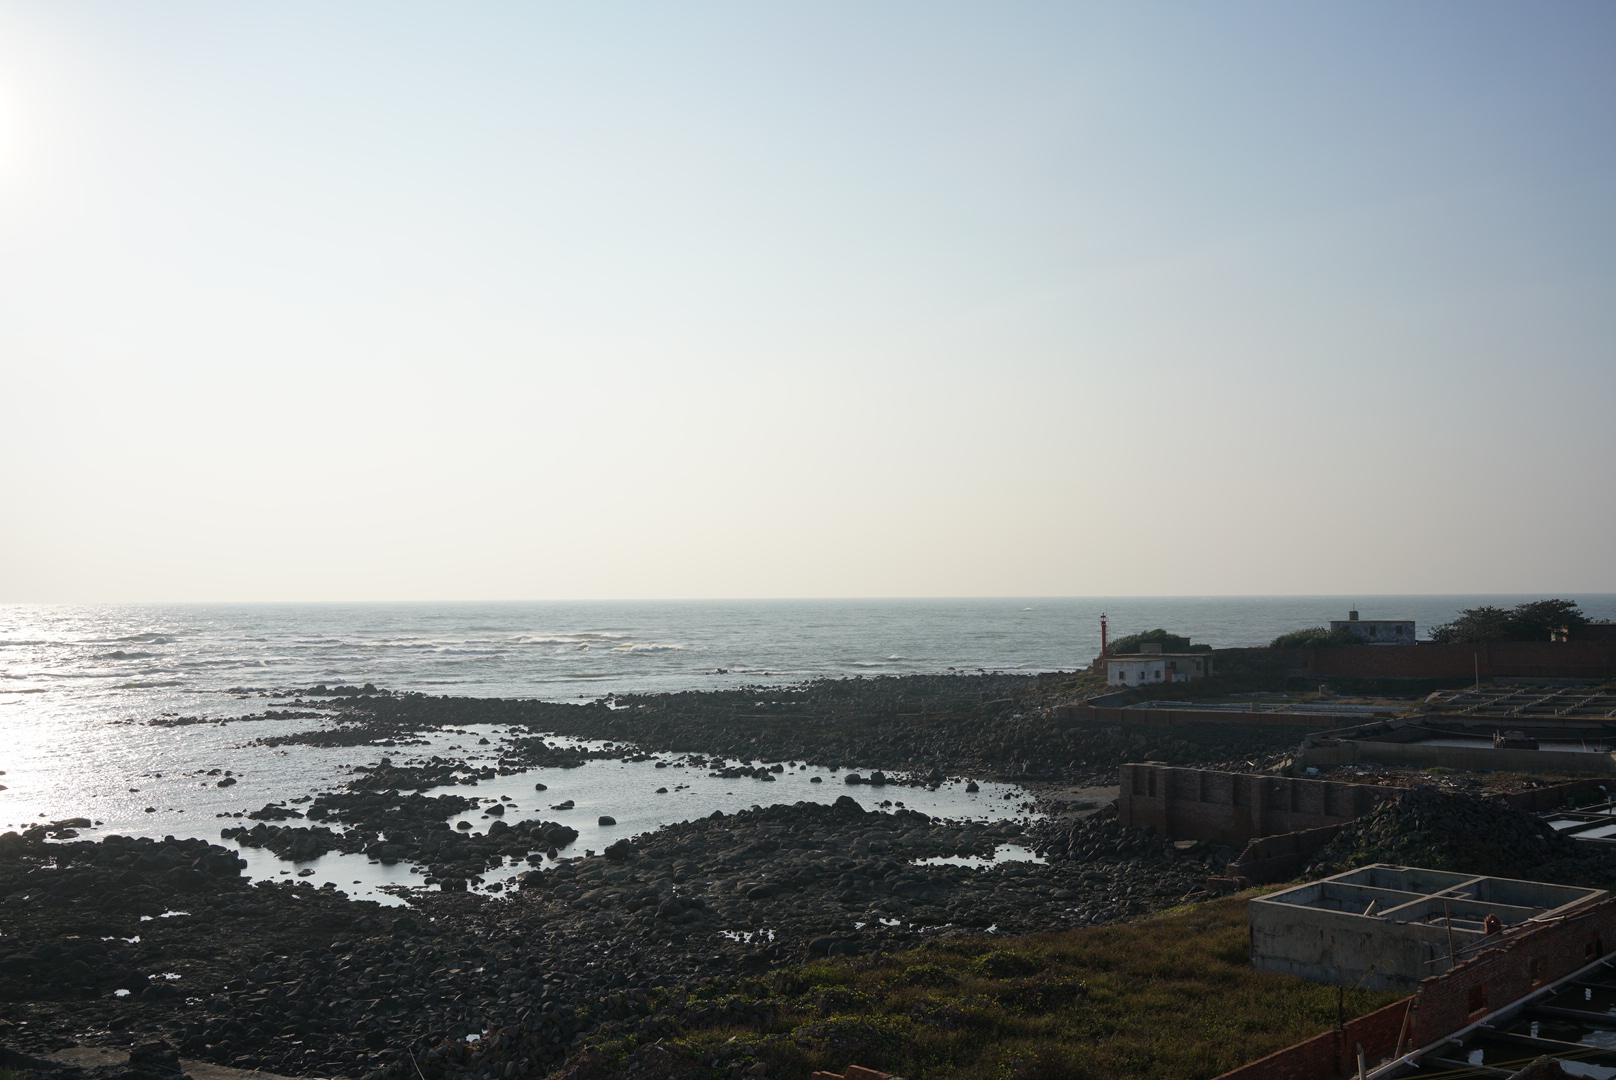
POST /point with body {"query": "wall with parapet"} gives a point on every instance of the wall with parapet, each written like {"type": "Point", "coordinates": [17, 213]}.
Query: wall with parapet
{"type": "Point", "coordinates": [1232, 808]}
{"type": "Point", "coordinates": [1235, 808]}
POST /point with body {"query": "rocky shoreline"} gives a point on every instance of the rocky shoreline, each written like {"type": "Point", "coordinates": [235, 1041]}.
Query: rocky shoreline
{"type": "Point", "coordinates": [128, 940]}
{"type": "Point", "coordinates": [990, 726]}
{"type": "Point", "coordinates": [123, 941]}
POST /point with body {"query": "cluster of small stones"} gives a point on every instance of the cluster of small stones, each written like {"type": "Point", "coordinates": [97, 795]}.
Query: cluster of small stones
{"type": "Point", "coordinates": [155, 1060]}
{"type": "Point", "coordinates": [1101, 836]}
{"type": "Point", "coordinates": [1458, 831]}
{"type": "Point", "coordinates": [808, 870]}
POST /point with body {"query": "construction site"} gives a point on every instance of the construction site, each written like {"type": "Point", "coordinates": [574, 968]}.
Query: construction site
{"type": "Point", "coordinates": [1455, 845]}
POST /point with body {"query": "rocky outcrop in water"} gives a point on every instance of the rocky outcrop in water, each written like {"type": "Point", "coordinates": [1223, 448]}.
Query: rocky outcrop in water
{"type": "Point", "coordinates": [914, 726]}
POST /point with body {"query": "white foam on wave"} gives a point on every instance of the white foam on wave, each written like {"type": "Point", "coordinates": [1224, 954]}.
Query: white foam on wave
{"type": "Point", "coordinates": [648, 647]}
{"type": "Point", "coordinates": [583, 637]}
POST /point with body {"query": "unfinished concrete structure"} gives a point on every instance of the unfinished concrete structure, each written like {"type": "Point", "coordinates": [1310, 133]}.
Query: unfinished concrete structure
{"type": "Point", "coordinates": [1386, 927]}
{"type": "Point", "coordinates": [1558, 747]}
{"type": "Point", "coordinates": [1232, 808]}
{"type": "Point", "coordinates": [1527, 699]}
{"type": "Point", "coordinates": [1545, 988]}
{"type": "Point", "coordinates": [1593, 824]}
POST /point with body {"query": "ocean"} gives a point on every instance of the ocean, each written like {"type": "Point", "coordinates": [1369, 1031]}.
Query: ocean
{"type": "Point", "coordinates": [79, 684]}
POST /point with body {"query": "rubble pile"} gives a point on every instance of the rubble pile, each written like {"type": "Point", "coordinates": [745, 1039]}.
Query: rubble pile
{"type": "Point", "coordinates": [1464, 833]}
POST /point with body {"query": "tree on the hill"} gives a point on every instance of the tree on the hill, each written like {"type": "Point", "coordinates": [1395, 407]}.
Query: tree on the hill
{"type": "Point", "coordinates": [1168, 643]}
{"type": "Point", "coordinates": [1534, 620]}
{"type": "Point", "coordinates": [1316, 637]}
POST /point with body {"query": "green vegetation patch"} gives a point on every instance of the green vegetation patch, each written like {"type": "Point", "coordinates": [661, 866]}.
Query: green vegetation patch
{"type": "Point", "coordinates": [1169, 998]}
{"type": "Point", "coordinates": [1316, 637]}
{"type": "Point", "coordinates": [1169, 642]}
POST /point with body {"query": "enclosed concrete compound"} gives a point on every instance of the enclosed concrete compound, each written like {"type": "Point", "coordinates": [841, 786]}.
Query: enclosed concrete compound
{"type": "Point", "coordinates": [1557, 747]}
{"type": "Point", "coordinates": [1386, 927]}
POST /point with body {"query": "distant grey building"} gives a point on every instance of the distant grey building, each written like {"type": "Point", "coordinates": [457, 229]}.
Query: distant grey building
{"type": "Point", "coordinates": [1377, 631]}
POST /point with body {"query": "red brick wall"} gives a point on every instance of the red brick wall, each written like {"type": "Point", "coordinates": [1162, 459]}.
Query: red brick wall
{"type": "Point", "coordinates": [1505, 973]}
{"type": "Point", "coordinates": [1333, 1054]}
{"type": "Point", "coordinates": [1589, 659]}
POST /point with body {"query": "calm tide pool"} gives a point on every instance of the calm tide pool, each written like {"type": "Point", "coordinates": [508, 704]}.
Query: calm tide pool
{"type": "Point", "coordinates": [189, 805]}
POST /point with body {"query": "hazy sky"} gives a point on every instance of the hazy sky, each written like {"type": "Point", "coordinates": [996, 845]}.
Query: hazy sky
{"type": "Point", "coordinates": [521, 300]}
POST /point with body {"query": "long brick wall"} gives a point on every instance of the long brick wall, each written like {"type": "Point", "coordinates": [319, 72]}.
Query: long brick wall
{"type": "Point", "coordinates": [1508, 659]}
{"type": "Point", "coordinates": [1232, 808]}
{"type": "Point", "coordinates": [1446, 1003]}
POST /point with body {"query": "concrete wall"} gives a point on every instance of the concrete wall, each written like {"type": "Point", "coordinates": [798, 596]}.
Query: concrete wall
{"type": "Point", "coordinates": [1342, 947]}
{"type": "Point", "coordinates": [1538, 800]}
{"type": "Point", "coordinates": [1102, 715]}
{"type": "Point", "coordinates": [1235, 808]}
{"type": "Point", "coordinates": [1320, 931]}
{"type": "Point", "coordinates": [1479, 758]}
{"type": "Point", "coordinates": [1232, 808]}
{"type": "Point", "coordinates": [1443, 1004]}
{"type": "Point", "coordinates": [1268, 859]}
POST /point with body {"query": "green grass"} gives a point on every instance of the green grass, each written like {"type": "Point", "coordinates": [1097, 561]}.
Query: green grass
{"type": "Point", "coordinates": [1170, 998]}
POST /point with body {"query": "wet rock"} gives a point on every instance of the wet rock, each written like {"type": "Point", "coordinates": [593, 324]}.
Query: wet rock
{"type": "Point", "coordinates": [293, 979]}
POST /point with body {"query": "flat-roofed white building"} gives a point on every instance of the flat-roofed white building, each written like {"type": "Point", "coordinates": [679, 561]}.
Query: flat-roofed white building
{"type": "Point", "coordinates": [1152, 668]}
